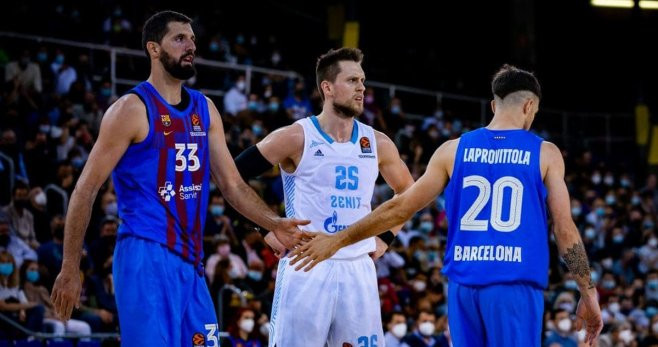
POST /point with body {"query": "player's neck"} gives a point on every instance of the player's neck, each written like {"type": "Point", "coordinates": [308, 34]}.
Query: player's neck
{"type": "Point", "coordinates": [506, 121]}
{"type": "Point", "coordinates": [339, 128]}
{"type": "Point", "coordinates": [168, 87]}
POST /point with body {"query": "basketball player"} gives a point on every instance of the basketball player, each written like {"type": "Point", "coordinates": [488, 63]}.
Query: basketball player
{"type": "Point", "coordinates": [163, 142]}
{"type": "Point", "coordinates": [329, 164]}
{"type": "Point", "coordinates": [497, 180]}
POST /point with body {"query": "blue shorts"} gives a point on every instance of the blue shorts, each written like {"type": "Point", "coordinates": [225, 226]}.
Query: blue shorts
{"type": "Point", "coordinates": [162, 299]}
{"type": "Point", "coordinates": [495, 315]}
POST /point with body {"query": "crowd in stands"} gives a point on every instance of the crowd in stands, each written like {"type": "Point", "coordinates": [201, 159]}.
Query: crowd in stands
{"type": "Point", "coordinates": [51, 106]}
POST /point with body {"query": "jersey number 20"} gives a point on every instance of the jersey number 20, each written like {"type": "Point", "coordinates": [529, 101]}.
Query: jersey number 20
{"type": "Point", "coordinates": [468, 221]}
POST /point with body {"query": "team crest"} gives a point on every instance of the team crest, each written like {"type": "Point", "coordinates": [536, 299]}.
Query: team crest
{"type": "Point", "coordinates": [166, 121]}
{"type": "Point", "coordinates": [365, 145]}
{"type": "Point", "coordinates": [198, 340]}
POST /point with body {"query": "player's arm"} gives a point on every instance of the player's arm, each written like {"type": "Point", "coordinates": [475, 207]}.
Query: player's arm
{"type": "Point", "coordinates": [239, 194]}
{"type": "Point", "coordinates": [391, 213]}
{"type": "Point", "coordinates": [394, 171]}
{"type": "Point", "coordinates": [279, 147]}
{"type": "Point", "coordinates": [123, 123]}
{"type": "Point", "coordinates": [570, 245]}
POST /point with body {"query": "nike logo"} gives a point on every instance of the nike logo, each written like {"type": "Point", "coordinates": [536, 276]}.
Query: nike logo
{"type": "Point", "coordinates": [168, 132]}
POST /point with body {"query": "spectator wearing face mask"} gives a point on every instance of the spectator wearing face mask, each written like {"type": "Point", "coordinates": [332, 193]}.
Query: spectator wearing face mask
{"type": "Point", "coordinates": [563, 334]}
{"type": "Point", "coordinates": [396, 330]}
{"type": "Point", "coordinates": [20, 216]}
{"type": "Point", "coordinates": [36, 292]}
{"type": "Point", "coordinates": [297, 103]}
{"type": "Point", "coordinates": [25, 73]}
{"type": "Point", "coordinates": [565, 301]}
{"type": "Point", "coordinates": [651, 339]}
{"type": "Point", "coordinates": [620, 335]}
{"type": "Point", "coordinates": [242, 332]}
{"type": "Point", "coordinates": [424, 334]}
{"type": "Point", "coordinates": [13, 302]}
{"type": "Point", "coordinates": [237, 268]}
{"type": "Point", "coordinates": [651, 286]}
{"type": "Point", "coordinates": [235, 100]}
{"type": "Point", "coordinates": [218, 223]}
{"type": "Point", "coordinates": [13, 244]}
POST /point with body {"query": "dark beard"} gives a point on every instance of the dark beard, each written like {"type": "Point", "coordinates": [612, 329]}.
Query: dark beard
{"type": "Point", "coordinates": [346, 111]}
{"type": "Point", "coordinates": [175, 69]}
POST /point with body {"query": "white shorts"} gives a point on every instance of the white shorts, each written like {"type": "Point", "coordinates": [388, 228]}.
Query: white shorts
{"type": "Point", "coordinates": [335, 304]}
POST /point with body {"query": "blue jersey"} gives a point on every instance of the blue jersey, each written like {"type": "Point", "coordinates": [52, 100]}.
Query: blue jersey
{"type": "Point", "coordinates": [162, 182]}
{"type": "Point", "coordinates": [496, 209]}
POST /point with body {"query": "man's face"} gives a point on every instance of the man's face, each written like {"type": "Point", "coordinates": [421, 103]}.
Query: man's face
{"type": "Point", "coordinates": [395, 320]}
{"type": "Point", "coordinates": [348, 89]}
{"type": "Point", "coordinates": [178, 48]}
{"type": "Point", "coordinates": [426, 317]}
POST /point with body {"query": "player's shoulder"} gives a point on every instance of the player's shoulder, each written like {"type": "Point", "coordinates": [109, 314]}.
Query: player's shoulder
{"type": "Point", "coordinates": [550, 149]}
{"type": "Point", "coordinates": [291, 136]}
{"type": "Point", "coordinates": [126, 107]}
{"type": "Point", "coordinates": [450, 146]}
{"type": "Point", "coordinates": [382, 139]}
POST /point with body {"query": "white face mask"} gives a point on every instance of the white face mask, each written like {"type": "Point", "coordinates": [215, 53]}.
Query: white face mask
{"type": "Point", "coordinates": [426, 328]}
{"type": "Point", "coordinates": [564, 325]}
{"type": "Point", "coordinates": [626, 336]}
{"type": "Point", "coordinates": [265, 329]}
{"type": "Point", "coordinates": [240, 85]}
{"type": "Point", "coordinates": [614, 307]}
{"type": "Point", "coordinates": [399, 330]}
{"type": "Point", "coordinates": [41, 199]}
{"type": "Point", "coordinates": [419, 286]}
{"type": "Point", "coordinates": [247, 325]}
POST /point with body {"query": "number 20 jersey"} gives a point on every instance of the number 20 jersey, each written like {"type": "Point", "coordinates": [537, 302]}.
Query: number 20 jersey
{"type": "Point", "coordinates": [162, 181]}
{"type": "Point", "coordinates": [496, 209]}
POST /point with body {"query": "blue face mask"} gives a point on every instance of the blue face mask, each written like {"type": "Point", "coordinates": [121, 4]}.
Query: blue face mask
{"type": "Point", "coordinates": [257, 130]}
{"type": "Point", "coordinates": [217, 210]}
{"type": "Point", "coordinates": [576, 211]}
{"type": "Point", "coordinates": [106, 92]}
{"type": "Point", "coordinates": [609, 284]}
{"type": "Point", "coordinates": [571, 284]}
{"type": "Point", "coordinates": [590, 233]}
{"type": "Point", "coordinates": [600, 211]}
{"type": "Point", "coordinates": [651, 311]}
{"type": "Point", "coordinates": [274, 106]}
{"type": "Point", "coordinates": [32, 276]}
{"type": "Point", "coordinates": [59, 59]}
{"type": "Point", "coordinates": [426, 227]}
{"type": "Point", "coordinates": [594, 276]}
{"type": "Point", "coordinates": [6, 269]}
{"type": "Point", "coordinates": [653, 284]}
{"type": "Point", "coordinates": [255, 275]}
{"type": "Point", "coordinates": [252, 105]}
{"type": "Point", "coordinates": [77, 162]}
{"type": "Point", "coordinates": [395, 109]}
{"type": "Point", "coordinates": [635, 200]}
{"type": "Point", "coordinates": [214, 46]}
{"type": "Point", "coordinates": [618, 239]}
{"type": "Point", "coordinates": [42, 57]}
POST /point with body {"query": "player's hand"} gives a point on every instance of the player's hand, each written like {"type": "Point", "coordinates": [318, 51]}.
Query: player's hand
{"type": "Point", "coordinates": [589, 314]}
{"type": "Point", "coordinates": [276, 245]}
{"type": "Point", "coordinates": [287, 231]}
{"type": "Point", "coordinates": [380, 249]}
{"type": "Point", "coordinates": [66, 293]}
{"type": "Point", "coordinates": [321, 247]}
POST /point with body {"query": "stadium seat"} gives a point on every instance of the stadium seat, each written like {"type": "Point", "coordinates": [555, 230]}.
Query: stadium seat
{"type": "Point", "coordinates": [59, 343]}
{"type": "Point", "coordinates": [89, 344]}
{"type": "Point", "coordinates": [25, 343]}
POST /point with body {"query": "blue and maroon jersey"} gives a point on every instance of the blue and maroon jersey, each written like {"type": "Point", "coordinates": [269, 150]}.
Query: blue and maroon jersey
{"type": "Point", "coordinates": [162, 182]}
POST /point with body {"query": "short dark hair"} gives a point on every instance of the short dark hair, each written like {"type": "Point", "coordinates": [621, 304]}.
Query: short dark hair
{"type": "Point", "coordinates": [327, 67]}
{"type": "Point", "coordinates": [155, 28]}
{"type": "Point", "coordinates": [509, 79]}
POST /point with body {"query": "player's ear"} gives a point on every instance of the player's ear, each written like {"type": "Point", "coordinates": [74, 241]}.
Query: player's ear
{"type": "Point", "coordinates": [154, 49]}
{"type": "Point", "coordinates": [327, 88]}
{"type": "Point", "coordinates": [529, 106]}
{"type": "Point", "coordinates": [493, 106]}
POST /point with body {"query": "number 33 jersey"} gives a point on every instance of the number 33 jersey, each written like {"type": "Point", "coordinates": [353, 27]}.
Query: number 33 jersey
{"type": "Point", "coordinates": [162, 181]}
{"type": "Point", "coordinates": [333, 183]}
{"type": "Point", "coordinates": [496, 209]}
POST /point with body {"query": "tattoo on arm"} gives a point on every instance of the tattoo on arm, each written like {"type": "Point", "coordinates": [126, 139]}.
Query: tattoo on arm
{"type": "Point", "coordinates": [576, 260]}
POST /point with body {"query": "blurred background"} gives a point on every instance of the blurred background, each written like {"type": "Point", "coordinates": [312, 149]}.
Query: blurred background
{"type": "Point", "coordinates": [428, 68]}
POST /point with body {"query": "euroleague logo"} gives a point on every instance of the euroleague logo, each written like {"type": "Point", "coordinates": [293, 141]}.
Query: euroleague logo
{"type": "Point", "coordinates": [196, 126]}
{"type": "Point", "coordinates": [198, 340]}
{"type": "Point", "coordinates": [365, 145]}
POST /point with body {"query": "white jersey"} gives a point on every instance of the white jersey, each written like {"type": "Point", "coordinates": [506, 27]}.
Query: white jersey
{"type": "Point", "coordinates": [333, 183]}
